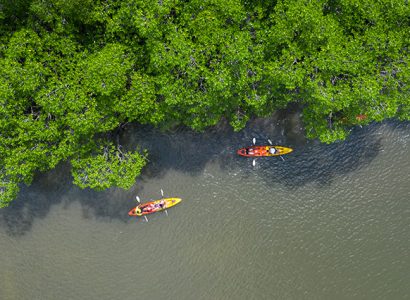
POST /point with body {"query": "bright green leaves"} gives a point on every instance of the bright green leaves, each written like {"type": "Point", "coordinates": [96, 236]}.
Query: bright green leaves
{"type": "Point", "coordinates": [20, 68]}
{"type": "Point", "coordinates": [62, 11]}
{"type": "Point", "coordinates": [22, 134]}
{"type": "Point", "coordinates": [140, 102]}
{"type": "Point", "coordinates": [105, 72]}
{"type": "Point", "coordinates": [110, 167]}
{"type": "Point", "coordinates": [23, 45]}
{"type": "Point", "coordinates": [403, 99]}
{"type": "Point", "coordinates": [344, 58]}
{"type": "Point", "coordinates": [137, 20]}
{"type": "Point", "coordinates": [301, 27]}
{"type": "Point", "coordinates": [8, 191]}
{"type": "Point", "coordinates": [26, 146]}
{"type": "Point", "coordinates": [54, 99]}
{"type": "Point", "coordinates": [73, 71]}
{"type": "Point", "coordinates": [203, 62]}
{"type": "Point", "coordinates": [83, 100]}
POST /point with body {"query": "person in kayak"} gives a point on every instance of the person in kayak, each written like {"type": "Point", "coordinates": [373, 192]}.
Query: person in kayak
{"type": "Point", "coordinates": [272, 150]}
{"type": "Point", "coordinates": [161, 204]}
{"type": "Point", "coordinates": [148, 208]}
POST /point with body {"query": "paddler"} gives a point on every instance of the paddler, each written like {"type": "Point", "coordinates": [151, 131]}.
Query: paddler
{"type": "Point", "coordinates": [272, 150]}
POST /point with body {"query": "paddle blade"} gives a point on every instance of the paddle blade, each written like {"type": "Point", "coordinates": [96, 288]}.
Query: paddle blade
{"type": "Point", "coordinates": [166, 212]}
{"type": "Point", "coordinates": [146, 219]}
{"type": "Point", "coordinates": [138, 199]}
{"type": "Point", "coordinates": [162, 193]}
{"type": "Point", "coordinates": [270, 142]}
{"type": "Point", "coordinates": [282, 158]}
{"type": "Point", "coordinates": [254, 162]}
{"type": "Point", "coordinates": [254, 141]}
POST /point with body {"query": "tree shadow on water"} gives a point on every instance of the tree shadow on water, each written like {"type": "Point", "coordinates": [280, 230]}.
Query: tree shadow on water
{"type": "Point", "coordinates": [180, 149]}
{"type": "Point", "coordinates": [55, 188]}
{"type": "Point", "coordinates": [186, 151]}
{"type": "Point", "coordinates": [320, 163]}
{"type": "Point", "coordinates": [35, 201]}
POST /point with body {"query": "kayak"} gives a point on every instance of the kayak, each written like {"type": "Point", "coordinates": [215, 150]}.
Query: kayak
{"type": "Point", "coordinates": [153, 206]}
{"type": "Point", "coordinates": [257, 151]}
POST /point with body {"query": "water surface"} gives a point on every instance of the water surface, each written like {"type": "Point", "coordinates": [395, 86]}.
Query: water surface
{"type": "Point", "coordinates": [328, 222]}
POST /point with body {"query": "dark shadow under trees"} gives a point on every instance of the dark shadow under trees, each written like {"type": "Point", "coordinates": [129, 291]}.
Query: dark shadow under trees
{"type": "Point", "coordinates": [189, 152]}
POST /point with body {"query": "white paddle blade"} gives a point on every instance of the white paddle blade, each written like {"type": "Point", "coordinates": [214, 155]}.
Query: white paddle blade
{"type": "Point", "coordinates": [146, 219]}
{"type": "Point", "coordinates": [270, 142]}
{"type": "Point", "coordinates": [282, 158]}
{"type": "Point", "coordinates": [162, 193]}
{"type": "Point", "coordinates": [138, 199]}
{"type": "Point", "coordinates": [166, 212]}
{"type": "Point", "coordinates": [254, 141]}
{"type": "Point", "coordinates": [254, 162]}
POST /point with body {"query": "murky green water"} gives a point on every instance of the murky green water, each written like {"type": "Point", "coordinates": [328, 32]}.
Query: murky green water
{"type": "Point", "coordinates": [329, 222]}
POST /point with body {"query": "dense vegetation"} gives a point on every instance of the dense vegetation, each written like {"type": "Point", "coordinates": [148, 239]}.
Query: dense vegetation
{"type": "Point", "coordinates": [74, 71]}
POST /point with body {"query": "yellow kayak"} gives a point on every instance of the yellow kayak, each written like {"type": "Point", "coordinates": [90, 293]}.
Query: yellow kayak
{"type": "Point", "coordinates": [257, 151]}
{"type": "Point", "coordinates": [153, 206]}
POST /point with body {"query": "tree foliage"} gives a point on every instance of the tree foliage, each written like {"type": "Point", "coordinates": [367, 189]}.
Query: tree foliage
{"type": "Point", "coordinates": [110, 167]}
{"type": "Point", "coordinates": [72, 72]}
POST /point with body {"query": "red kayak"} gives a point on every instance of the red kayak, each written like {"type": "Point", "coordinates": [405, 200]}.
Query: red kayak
{"type": "Point", "coordinates": [258, 151]}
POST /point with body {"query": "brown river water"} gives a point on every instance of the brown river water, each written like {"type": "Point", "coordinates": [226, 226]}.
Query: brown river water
{"type": "Point", "coordinates": [327, 222]}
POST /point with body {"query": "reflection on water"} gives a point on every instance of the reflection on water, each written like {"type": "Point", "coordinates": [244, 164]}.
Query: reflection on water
{"type": "Point", "coordinates": [328, 222]}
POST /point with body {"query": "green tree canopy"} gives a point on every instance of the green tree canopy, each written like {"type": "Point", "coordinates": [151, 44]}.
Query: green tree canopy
{"type": "Point", "coordinates": [72, 72]}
